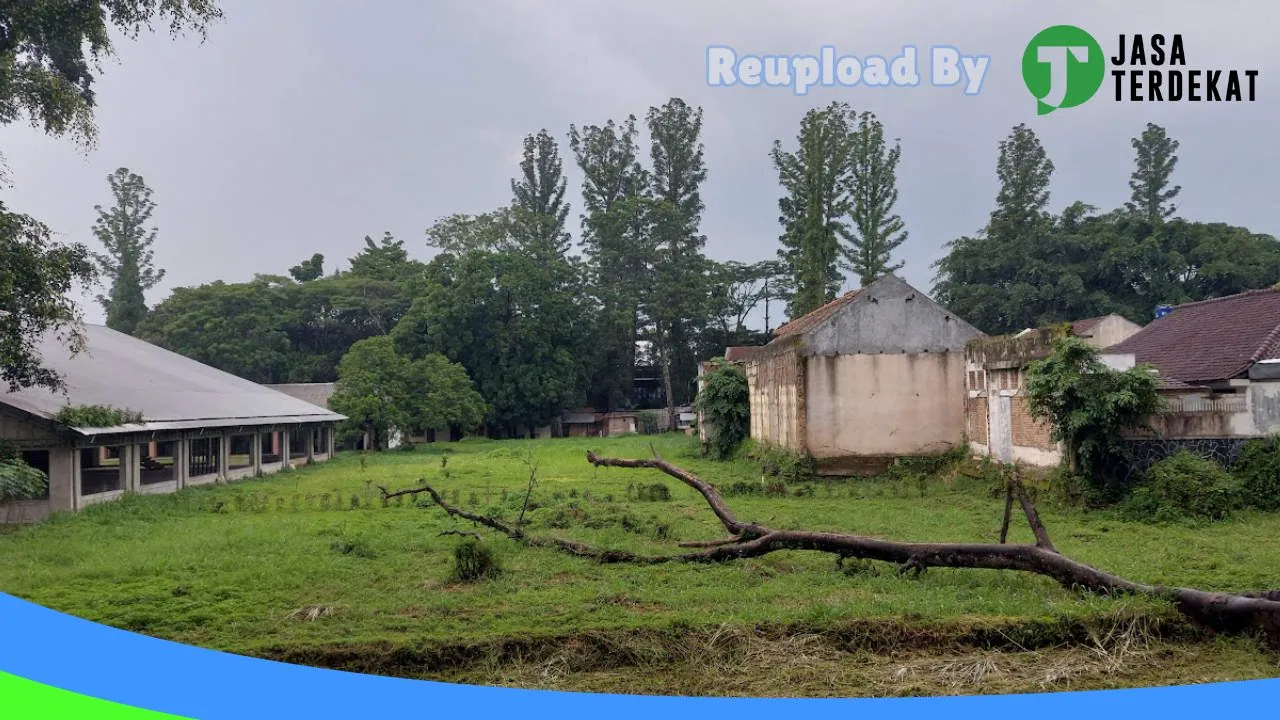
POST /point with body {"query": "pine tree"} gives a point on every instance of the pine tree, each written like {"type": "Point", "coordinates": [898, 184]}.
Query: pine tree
{"type": "Point", "coordinates": [876, 230]}
{"type": "Point", "coordinates": [128, 259]}
{"type": "Point", "coordinates": [816, 180]}
{"type": "Point", "coordinates": [1156, 156]}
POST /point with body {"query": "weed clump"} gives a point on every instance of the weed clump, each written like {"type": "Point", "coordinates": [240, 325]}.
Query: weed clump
{"type": "Point", "coordinates": [656, 492]}
{"type": "Point", "coordinates": [1180, 488]}
{"type": "Point", "coordinates": [1258, 470]}
{"type": "Point", "coordinates": [353, 547]}
{"type": "Point", "coordinates": [473, 561]}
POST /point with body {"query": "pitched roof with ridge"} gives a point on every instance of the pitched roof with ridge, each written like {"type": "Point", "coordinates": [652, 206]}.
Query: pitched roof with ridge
{"type": "Point", "coordinates": [1210, 340]}
{"type": "Point", "coordinates": [171, 391]}
{"type": "Point", "coordinates": [807, 322]}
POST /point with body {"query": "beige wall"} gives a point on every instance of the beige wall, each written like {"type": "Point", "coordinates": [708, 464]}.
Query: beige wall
{"type": "Point", "coordinates": [776, 394]}
{"type": "Point", "coordinates": [884, 404]}
{"type": "Point", "coordinates": [1112, 329]}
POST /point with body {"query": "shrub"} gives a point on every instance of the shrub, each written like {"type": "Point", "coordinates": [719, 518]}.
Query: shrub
{"type": "Point", "coordinates": [473, 561]}
{"type": "Point", "coordinates": [20, 481]}
{"type": "Point", "coordinates": [780, 465]}
{"type": "Point", "coordinates": [1183, 487]}
{"type": "Point", "coordinates": [725, 402]}
{"type": "Point", "coordinates": [96, 416]}
{"type": "Point", "coordinates": [647, 422]}
{"type": "Point", "coordinates": [657, 492]}
{"type": "Point", "coordinates": [1258, 470]}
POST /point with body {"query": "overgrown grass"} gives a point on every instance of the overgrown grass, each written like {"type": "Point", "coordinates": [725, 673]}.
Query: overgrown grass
{"type": "Point", "coordinates": [312, 566]}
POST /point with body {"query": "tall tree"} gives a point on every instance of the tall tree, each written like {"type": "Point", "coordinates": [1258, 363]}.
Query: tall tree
{"type": "Point", "coordinates": [876, 231]}
{"type": "Point", "coordinates": [816, 180]}
{"type": "Point", "coordinates": [996, 280]}
{"type": "Point", "coordinates": [539, 209]}
{"type": "Point", "coordinates": [128, 260]}
{"type": "Point", "coordinates": [677, 306]}
{"type": "Point", "coordinates": [49, 53]}
{"type": "Point", "coordinates": [1156, 156]}
{"type": "Point", "coordinates": [619, 250]}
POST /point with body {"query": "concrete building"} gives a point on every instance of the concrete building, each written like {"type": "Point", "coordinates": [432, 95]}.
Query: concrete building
{"type": "Point", "coordinates": [1104, 331]}
{"type": "Point", "coordinates": [586, 422]}
{"type": "Point", "coordinates": [199, 425]}
{"type": "Point", "coordinates": [1219, 365]}
{"type": "Point", "coordinates": [998, 420]}
{"type": "Point", "coordinates": [873, 375]}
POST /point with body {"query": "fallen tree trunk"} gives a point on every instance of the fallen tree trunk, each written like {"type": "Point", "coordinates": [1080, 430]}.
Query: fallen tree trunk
{"type": "Point", "coordinates": [1223, 611]}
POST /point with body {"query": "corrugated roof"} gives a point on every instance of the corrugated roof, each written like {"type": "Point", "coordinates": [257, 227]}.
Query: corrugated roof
{"type": "Point", "coordinates": [1210, 340]}
{"type": "Point", "coordinates": [171, 391]}
{"type": "Point", "coordinates": [807, 322]}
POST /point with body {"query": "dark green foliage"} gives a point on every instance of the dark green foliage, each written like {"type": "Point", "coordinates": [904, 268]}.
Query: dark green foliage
{"type": "Point", "coordinates": [737, 289]}
{"type": "Point", "coordinates": [51, 51]}
{"type": "Point", "coordinates": [308, 270]}
{"type": "Point", "coordinates": [18, 480]}
{"type": "Point", "coordinates": [1258, 470]}
{"type": "Point", "coordinates": [473, 561]}
{"type": "Point", "coordinates": [816, 182]}
{"type": "Point", "coordinates": [1156, 156]}
{"type": "Point", "coordinates": [37, 277]}
{"type": "Point", "coordinates": [128, 260]}
{"type": "Point", "coordinates": [876, 231]}
{"type": "Point", "coordinates": [1183, 487]}
{"type": "Point", "coordinates": [724, 403]}
{"type": "Point", "coordinates": [379, 389]}
{"type": "Point", "coordinates": [648, 422]}
{"type": "Point", "coordinates": [95, 416]}
{"type": "Point", "coordinates": [1088, 405]}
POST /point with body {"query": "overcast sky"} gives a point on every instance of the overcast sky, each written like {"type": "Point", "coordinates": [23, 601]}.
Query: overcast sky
{"type": "Point", "coordinates": [301, 126]}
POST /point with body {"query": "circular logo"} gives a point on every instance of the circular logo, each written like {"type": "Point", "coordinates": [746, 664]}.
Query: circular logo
{"type": "Point", "coordinates": [1063, 66]}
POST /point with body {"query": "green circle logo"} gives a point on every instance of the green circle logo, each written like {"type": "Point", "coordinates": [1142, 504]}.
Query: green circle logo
{"type": "Point", "coordinates": [1063, 67]}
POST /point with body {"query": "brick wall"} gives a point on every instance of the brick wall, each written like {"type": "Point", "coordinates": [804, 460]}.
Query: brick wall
{"type": "Point", "coordinates": [1027, 431]}
{"type": "Point", "coordinates": [976, 420]}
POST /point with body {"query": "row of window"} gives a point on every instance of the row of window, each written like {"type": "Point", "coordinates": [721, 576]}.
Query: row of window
{"type": "Point", "coordinates": [100, 466]}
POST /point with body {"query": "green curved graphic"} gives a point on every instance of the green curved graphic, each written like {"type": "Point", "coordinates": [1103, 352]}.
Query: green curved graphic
{"type": "Point", "coordinates": [22, 699]}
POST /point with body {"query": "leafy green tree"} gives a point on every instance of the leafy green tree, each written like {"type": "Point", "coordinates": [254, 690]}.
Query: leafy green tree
{"type": "Point", "coordinates": [677, 305]}
{"type": "Point", "coordinates": [18, 480]}
{"type": "Point", "coordinates": [994, 279]}
{"type": "Point", "coordinates": [48, 54]}
{"type": "Point", "coordinates": [1088, 405]}
{"type": "Point", "coordinates": [380, 390]}
{"type": "Point", "coordinates": [128, 260]}
{"type": "Point", "coordinates": [38, 274]}
{"type": "Point", "coordinates": [386, 260]}
{"type": "Point", "coordinates": [737, 290]}
{"type": "Point", "coordinates": [1156, 156]}
{"type": "Point", "coordinates": [308, 270]}
{"type": "Point", "coordinates": [619, 248]}
{"type": "Point", "coordinates": [460, 233]}
{"type": "Point", "coordinates": [816, 180]}
{"type": "Point", "coordinates": [235, 327]}
{"type": "Point", "coordinates": [876, 231]}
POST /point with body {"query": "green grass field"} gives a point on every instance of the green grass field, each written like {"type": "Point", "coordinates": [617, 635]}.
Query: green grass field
{"type": "Point", "coordinates": [310, 566]}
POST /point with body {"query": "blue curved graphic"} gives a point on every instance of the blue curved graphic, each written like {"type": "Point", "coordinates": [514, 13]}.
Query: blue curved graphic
{"type": "Point", "coordinates": [83, 657]}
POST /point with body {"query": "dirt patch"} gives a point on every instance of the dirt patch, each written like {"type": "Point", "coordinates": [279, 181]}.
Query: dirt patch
{"type": "Point", "coordinates": [854, 659]}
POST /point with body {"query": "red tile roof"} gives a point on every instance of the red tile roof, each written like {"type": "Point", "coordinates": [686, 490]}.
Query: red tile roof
{"type": "Point", "coordinates": [739, 354]}
{"type": "Point", "coordinates": [1212, 339]}
{"type": "Point", "coordinates": [807, 322]}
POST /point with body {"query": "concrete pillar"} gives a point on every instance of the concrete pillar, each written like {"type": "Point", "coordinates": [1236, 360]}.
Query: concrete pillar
{"type": "Point", "coordinates": [311, 445]}
{"type": "Point", "coordinates": [64, 476]}
{"type": "Point", "coordinates": [275, 443]}
{"type": "Point", "coordinates": [130, 467]}
{"type": "Point", "coordinates": [255, 453]}
{"type": "Point", "coordinates": [153, 449]}
{"type": "Point", "coordinates": [329, 441]}
{"type": "Point", "coordinates": [181, 461]}
{"type": "Point", "coordinates": [224, 454]}
{"type": "Point", "coordinates": [282, 438]}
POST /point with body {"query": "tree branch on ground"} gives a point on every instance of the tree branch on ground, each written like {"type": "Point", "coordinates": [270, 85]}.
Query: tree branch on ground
{"type": "Point", "coordinates": [1221, 611]}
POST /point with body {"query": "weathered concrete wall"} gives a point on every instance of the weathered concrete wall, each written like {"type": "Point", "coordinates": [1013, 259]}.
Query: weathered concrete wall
{"type": "Point", "coordinates": [995, 375]}
{"type": "Point", "coordinates": [1264, 406]}
{"type": "Point", "coordinates": [884, 405]}
{"type": "Point", "coordinates": [1111, 330]}
{"type": "Point", "coordinates": [777, 394]}
{"type": "Point", "coordinates": [890, 317]}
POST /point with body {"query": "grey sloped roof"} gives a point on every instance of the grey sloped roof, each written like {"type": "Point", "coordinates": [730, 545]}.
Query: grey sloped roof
{"type": "Point", "coordinates": [171, 391]}
{"type": "Point", "coordinates": [315, 393]}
